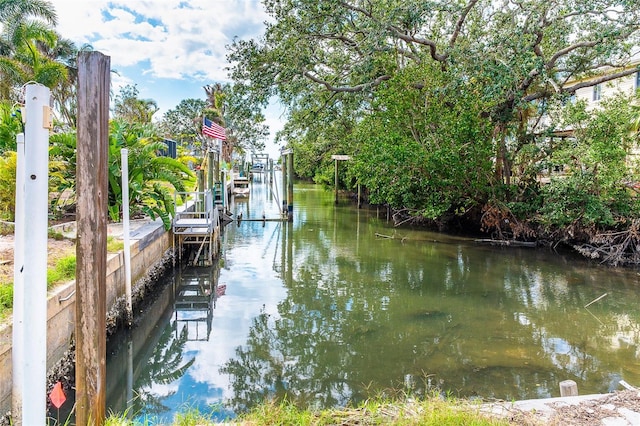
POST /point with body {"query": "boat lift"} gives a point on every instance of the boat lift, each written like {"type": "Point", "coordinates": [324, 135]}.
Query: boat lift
{"type": "Point", "coordinates": [197, 226]}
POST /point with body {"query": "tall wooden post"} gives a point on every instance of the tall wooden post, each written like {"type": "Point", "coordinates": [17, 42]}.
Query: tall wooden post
{"type": "Point", "coordinates": [284, 183]}
{"type": "Point", "coordinates": [335, 179]}
{"type": "Point", "coordinates": [91, 244]}
{"type": "Point", "coordinates": [338, 157]}
{"type": "Point", "coordinates": [290, 187]}
{"type": "Point", "coordinates": [210, 169]}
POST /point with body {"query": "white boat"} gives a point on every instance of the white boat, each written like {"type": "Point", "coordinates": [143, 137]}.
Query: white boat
{"type": "Point", "coordinates": [240, 186]}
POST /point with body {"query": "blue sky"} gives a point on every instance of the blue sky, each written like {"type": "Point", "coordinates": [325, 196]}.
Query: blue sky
{"type": "Point", "coordinates": [170, 49]}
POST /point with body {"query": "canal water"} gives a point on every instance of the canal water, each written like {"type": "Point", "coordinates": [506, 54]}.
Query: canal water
{"type": "Point", "coordinates": [339, 306]}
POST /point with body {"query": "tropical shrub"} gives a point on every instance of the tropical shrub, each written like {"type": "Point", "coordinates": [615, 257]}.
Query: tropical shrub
{"type": "Point", "coordinates": [153, 179]}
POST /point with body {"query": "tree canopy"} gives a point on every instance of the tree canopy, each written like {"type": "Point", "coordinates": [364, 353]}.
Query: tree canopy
{"type": "Point", "coordinates": [444, 106]}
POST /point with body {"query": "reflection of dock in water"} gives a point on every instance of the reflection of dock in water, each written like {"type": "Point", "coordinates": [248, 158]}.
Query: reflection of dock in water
{"type": "Point", "coordinates": [195, 300]}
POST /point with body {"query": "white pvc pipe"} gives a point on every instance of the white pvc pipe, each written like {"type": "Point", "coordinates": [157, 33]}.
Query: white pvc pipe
{"type": "Point", "coordinates": [125, 229]}
{"type": "Point", "coordinates": [17, 346]}
{"type": "Point", "coordinates": [36, 191]}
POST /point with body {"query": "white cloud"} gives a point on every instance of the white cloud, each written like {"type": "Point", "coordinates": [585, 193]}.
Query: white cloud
{"type": "Point", "coordinates": [176, 39]}
{"type": "Point", "coordinates": [168, 48]}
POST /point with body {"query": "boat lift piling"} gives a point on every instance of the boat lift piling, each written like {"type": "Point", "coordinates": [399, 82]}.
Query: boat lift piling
{"type": "Point", "coordinates": [287, 184]}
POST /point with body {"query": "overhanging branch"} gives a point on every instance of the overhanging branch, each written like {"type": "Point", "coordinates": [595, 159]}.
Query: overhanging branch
{"type": "Point", "coordinates": [346, 89]}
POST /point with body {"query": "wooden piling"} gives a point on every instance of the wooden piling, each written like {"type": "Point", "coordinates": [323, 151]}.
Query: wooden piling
{"type": "Point", "coordinates": [335, 179]}
{"type": "Point", "coordinates": [91, 244]}
{"type": "Point", "coordinates": [211, 170]}
{"type": "Point", "coordinates": [336, 158]}
{"type": "Point", "coordinates": [568, 388]}
{"type": "Point", "coordinates": [290, 186]}
{"type": "Point", "coordinates": [284, 184]}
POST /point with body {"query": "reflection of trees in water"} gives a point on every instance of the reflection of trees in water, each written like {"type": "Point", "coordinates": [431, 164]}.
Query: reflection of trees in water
{"type": "Point", "coordinates": [274, 365]}
{"type": "Point", "coordinates": [164, 366]}
{"type": "Point", "coordinates": [489, 323]}
{"type": "Point", "coordinates": [311, 354]}
{"type": "Point", "coordinates": [257, 372]}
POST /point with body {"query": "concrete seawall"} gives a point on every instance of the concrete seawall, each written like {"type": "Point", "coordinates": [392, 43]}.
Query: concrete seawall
{"type": "Point", "coordinates": [149, 242]}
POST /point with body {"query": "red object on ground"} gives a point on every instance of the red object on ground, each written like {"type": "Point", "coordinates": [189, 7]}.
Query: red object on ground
{"type": "Point", "coordinates": [57, 395]}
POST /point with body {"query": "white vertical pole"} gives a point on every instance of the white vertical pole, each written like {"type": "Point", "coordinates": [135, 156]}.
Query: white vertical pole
{"type": "Point", "coordinates": [125, 230]}
{"type": "Point", "coordinates": [17, 348]}
{"type": "Point", "coordinates": [36, 177]}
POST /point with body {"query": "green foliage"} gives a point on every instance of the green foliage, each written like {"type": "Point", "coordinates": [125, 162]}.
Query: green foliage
{"type": "Point", "coordinates": [10, 126]}
{"type": "Point", "coordinates": [182, 124]}
{"type": "Point", "coordinates": [129, 108]}
{"type": "Point", "coordinates": [245, 120]}
{"type": "Point", "coordinates": [593, 190]}
{"type": "Point", "coordinates": [572, 200]}
{"type": "Point", "coordinates": [62, 172]}
{"type": "Point", "coordinates": [439, 103]}
{"type": "Point", "coordinates": [6, 297]}
{"type": "Point", "coordinates": [152, 178]}
{"type": "Point", "coordinates": [431, 411]}
{"type": "Point", "coordinates": [424, 150]}
{"type": "Point", "coordinates": [191, 417]}
{"type": "Point", "coordinates": [8, 185]}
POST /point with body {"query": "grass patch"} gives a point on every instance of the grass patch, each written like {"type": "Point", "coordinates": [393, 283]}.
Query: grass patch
{"type": "Point", "coordinates": [6, 299]}
{"type": "Point", "coordinates": [114, 245]}
{"type": "Point", "coordinates": [56, 235]}
{"type": "Point", "coordinates": [432, 411]}
{"type": "Point", "coordinates": [64, 271]}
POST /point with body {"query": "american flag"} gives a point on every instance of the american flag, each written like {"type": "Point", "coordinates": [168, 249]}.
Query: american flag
{"type": "Point", "coordinates": [212, 129]}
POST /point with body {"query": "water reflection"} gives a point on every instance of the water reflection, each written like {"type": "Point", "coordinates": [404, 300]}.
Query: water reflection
{"type": "Point", "coordinates": [329, 310]}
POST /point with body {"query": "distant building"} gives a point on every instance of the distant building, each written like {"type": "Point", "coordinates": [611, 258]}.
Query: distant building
{"type": "Point", "coordinates": [592, 96]}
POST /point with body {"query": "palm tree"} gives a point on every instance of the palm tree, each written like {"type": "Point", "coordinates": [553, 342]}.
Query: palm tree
{"type": "Point", "coordinates": [18, 10]}
{"type": "Point", "coordinates": [65, 93]}
{"type": "Point", "coordinates": [27, 33]}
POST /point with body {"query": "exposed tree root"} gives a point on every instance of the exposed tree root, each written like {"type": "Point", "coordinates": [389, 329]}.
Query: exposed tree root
{"type": "Point", "coordinates": [614, 248]}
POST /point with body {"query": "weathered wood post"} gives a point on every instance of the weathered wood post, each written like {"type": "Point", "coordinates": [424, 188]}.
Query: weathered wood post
{"type": "Point", "coordinates": [337, 158]}
{"type": "Point", "coordinates": [211, 169]}
{"type": "Point", "coordinates": [290, 186]}
{"type": "Point", "coordinates": [568, 388]}
{"type": "Point", "coordinates": [335, 179]}
{"type": "Point", "coordinates": [91, 244]}
{"type": "Point", "coordinates": [284, 182]}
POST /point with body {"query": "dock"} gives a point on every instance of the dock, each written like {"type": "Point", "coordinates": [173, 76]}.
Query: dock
{"type": "Point", "coordinates": [196, 226]}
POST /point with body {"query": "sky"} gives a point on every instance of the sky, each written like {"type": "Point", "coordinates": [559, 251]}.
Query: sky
{"type": "Point", "coordinates": [169, 49]}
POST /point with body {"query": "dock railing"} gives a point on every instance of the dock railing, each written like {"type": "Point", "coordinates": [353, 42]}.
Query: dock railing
{"type": "Point", "coordinates": [199, 215]}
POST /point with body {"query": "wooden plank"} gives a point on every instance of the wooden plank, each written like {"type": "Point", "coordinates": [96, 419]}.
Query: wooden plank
{"type": "Point", "coordinates": [91, 244]}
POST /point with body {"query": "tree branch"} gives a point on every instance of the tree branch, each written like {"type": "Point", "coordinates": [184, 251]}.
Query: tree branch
{"type": "Point", "coordinates": [590, 83]}
{"type": "Point", "coordinates": [345, 89]}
